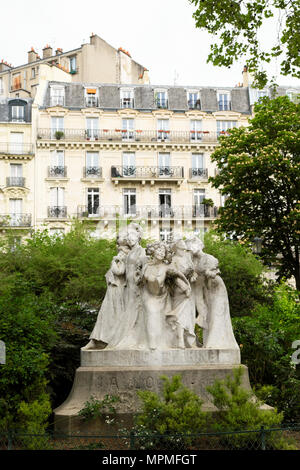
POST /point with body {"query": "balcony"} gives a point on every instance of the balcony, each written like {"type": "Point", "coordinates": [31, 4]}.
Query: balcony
{"type": "Point", "coordinates": [18, 181]}
{"type": "Point", "coordinates": [119, 135]}
{"type": "Point", "coordinates": [198, 173]}
{"type": "Point", "coordinates": [150, 212]}
{"type": "Point", "coordinates": [15, 220]}
{"type": "Point", "coordinates": [57, 172]}
{"type": "Point", "coordinates": [57, 212]}
{"type": "Point", "coordinates": [92, 172]}
{"type": "Point", "coordinates": [11, 148]}
{"type": "Point", "coordinates": [147, 172]}
{"type": "Point", "coordinates": [126, 103]}
{"type": "Point", "coordinates": [224, 105]}
{"type": "Point", "coordinates": [88, 211]}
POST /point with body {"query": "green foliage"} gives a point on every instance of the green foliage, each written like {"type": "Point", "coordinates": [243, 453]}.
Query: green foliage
{"type": "Point", "coordinates": [237, 24]}
{"type": "Point", "coordinates": [241, 272]}
{"type": "Point", "coordinates": [33, 422]}
{"type": "Point", "coordinates": [105, 408]}
{"type": "Point", "coordinates": [260, 174]}
{"type": "Point", "coordinates": [266, 339]}
{"type": "Point", "coordinates": [177, 411]}
{"type": "Point", "coordinates": [50, 290]}
{"type": "Point", "coordinates": [238, 410]}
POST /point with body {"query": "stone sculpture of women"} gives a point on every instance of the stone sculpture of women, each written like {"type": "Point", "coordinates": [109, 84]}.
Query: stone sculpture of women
{"type": "Point", "coordinates": [156, 278]}
{"type": "Point", "coordinates": [183, 307]}
{"type": "Point", "coordinates": [108, 330]}
{"type": "Point", "coordinates": [218, 333]}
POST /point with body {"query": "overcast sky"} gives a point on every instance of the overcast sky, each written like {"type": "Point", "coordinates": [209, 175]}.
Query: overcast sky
{"type": "Point", "coordinates": [159, 34]}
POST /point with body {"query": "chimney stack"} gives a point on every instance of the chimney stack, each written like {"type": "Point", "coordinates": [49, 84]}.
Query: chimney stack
{"type": "Point", "coordinates": [47, 52]}
{"type": "Point", "coordinates": [32, 55]}
{"type": "Point", "coordinates": [245, 76]}
{"type": "Point", "coordinates": [58, 51]}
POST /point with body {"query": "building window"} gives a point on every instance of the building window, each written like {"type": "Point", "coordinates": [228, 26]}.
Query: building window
{"type": "Point", "coordinates": [196, 130]}
{"type": "Point", "coordinates": [165, 206]}
{"type": "Point", "coordinates": [163, 132]}
{"type": "Point", "coordinates": [57, 207]}
{"type": "Point", "coordinates": [33, 72]}
{"type": "Point", "coordinates": [16, 81]}
{"type": "Point", "coordinates": [128, 129]}
{"type": "Point", "coordinates": [223, 126]}
{"type": "Point", "coordinates": [198, 207]}
{"type": "Point", "coordinates": [126, 98]}
{"type": "Point", "coordinates": [18, 113]}
{"type": "Point", "coordinates": [57, 164]}
{"type": "Point", "coordinates": [129, 197]}
{"type": "Point", "coordinates": [57, 96]}
{"type": "Point", "coordinates": [129, 167]}
{"type": "Point", "coordinates": [92, 168]}
{"type": "Point", "coordinates": [224, 103]}
{"type": "Point", "coordinates": [92, 128]}
{"type": "Point", "coordinates": [15, 211]}
{"type": "Point", "coordinates": [165, 234]}
{"type": "Point", "coordinates": [193, 100]}
{"type": "Point", "coordinates": [72, 64]}
{"type": "Point", "coordinates": [57, 127]}
{"type": "Point", "coordinates": [198, 169]}
{"type": "Point", "coordinates": [164, 162]}
{"type": "Point", "coordinates": [93, 201]}
{"type": "Point", "coordinates": [16, 175]}
{"type": "Point", "coordinates": [16, 143]}
{"type": "Point", "coordinates": [1, 86]}
{"type": "Point", "coordinates": [161, 99]}
{"type": "Point", "coordinates": [91, 97]}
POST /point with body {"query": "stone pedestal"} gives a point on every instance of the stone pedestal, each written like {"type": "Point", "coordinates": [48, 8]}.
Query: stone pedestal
{"type": "Point", "coordinates": [123, 373]}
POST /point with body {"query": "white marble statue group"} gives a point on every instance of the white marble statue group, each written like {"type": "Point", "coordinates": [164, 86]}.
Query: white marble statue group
{"type": "Point", "coordinates": [156, 296]}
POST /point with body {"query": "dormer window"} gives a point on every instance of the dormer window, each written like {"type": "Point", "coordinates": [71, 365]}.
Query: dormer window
{"type": "Point", "coordinates": [17, 110]}
{"type": "Point", "coordinates": [161, 99]}
{"type": "Point", "coordinates": [57, 96]}
{"type": "Point", "coordinates": [224, 103]}
{"type": "Point", "coordinates": [73, 64]}
{"type": "Point", "coordinates": [91, 97]}
{"type": "Point", "coordinates": [193, 99]}
{"type": "Point", "coordinates": [126, 98]}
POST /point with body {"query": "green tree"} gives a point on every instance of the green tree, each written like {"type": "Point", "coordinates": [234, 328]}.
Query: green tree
{"type": "Point", "coordinates": [238, 24]}
{"type": "Point", "coordinates": [259, 172]}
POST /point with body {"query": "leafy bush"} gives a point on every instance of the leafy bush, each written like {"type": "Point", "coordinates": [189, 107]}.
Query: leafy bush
{"type": "Point", "coordinates": [33, 422]}
{"type": "Point", "coordinates": [105, 408]}
{"type": "Point", "coordinates": [238, 410]}
{"type": "Point", "coordinates": [178, 411]}
{"type": "Point", "coordinates": [266, 345]}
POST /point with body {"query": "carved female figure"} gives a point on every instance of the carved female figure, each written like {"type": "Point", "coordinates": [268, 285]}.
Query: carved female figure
{"type": "Point", "coordinates": [156, 278]}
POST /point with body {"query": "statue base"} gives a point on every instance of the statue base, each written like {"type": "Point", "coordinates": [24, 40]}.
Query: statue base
{"type": "Point", "coordinates": [123, 373]}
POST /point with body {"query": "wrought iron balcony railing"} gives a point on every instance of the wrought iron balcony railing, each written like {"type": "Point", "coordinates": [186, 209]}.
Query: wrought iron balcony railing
{"type": "Point", "coordinates": [12, 148]}
{"type": "Point", "coordinates": [57, 212]}
{"type": "Point", "coordinates": [92, 172]}
{"type": "Point", "coordinates": [147, 172]}
{"type": "Point", "coordinates": [149, 212]}
{"type": "Point", "coordinates": [138, 135]}
{"type": "Point", "coordinates": [224, 105]}
{"type": "Point", "coordinates": [88, 211]}
{"type": "Point", "coordinates": [198, 173]}
{"type": "Point", "coordinates": [15, 181]}
{"type": "Point", "coordinates": [15, 220]}
{"type": "Point", "coordinates": [57, 171]}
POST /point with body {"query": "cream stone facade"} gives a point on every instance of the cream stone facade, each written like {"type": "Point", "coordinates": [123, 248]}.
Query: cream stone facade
{"type": "Point", "coordinates": [144, 157]}
{"type": "Point", "coordinates": [95, 61]}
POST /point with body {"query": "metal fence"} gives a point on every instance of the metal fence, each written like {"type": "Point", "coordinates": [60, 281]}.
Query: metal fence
{"type": "Point", "coordinates": [284, 438]}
